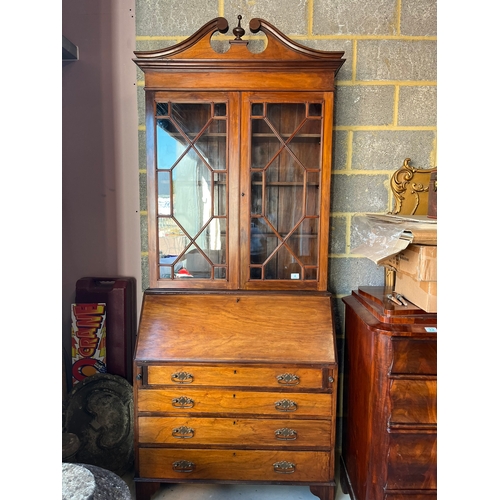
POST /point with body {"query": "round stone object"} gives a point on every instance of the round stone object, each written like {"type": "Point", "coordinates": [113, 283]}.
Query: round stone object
{"type": "Point", "coordinates": [99, 410]}
{"type": "Point", "coordinates": [109, 486]}
{"type": "Point", "coordinates": [78, 483]}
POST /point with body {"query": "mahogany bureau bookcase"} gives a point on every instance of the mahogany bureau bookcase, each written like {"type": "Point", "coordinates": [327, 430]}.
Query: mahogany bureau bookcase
{"type": "Point", "coordinates": [235, 365]}
{"type": "Point", "coordinates": [389, 437]}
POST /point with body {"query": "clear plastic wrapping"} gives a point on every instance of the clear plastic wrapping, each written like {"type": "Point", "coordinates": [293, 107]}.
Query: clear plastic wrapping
{"type": "Point", "coordinates": [379, 239]}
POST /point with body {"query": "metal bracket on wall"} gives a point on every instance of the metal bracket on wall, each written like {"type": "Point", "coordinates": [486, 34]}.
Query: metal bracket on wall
{"type": "Point", "coordinates": [69, 50]}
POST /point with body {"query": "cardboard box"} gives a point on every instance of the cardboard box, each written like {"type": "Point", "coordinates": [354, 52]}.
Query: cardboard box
{"type": "Point", "coordinates": [422, 293]}
{"type": "Point", "coordinates": [416, 261]}
{"type": "Point", "coordinates": [88, 340]}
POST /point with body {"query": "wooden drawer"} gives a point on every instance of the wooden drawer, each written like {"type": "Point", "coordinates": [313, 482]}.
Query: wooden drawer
{"type": "Point", "coordinates": [414, 356]}
{"type": "Point", "coordinates": [241, 376]}
{"type": "Point", "coordinates": [413, 401]}
{"type": "Point", "coordinates": [235, 465]}
{"type": "Point", "coordinates": [235, 432]}
{"type": "Point", "coordinates": [183, 400]}
{"type": "Point", "coordinates": [412, 461]}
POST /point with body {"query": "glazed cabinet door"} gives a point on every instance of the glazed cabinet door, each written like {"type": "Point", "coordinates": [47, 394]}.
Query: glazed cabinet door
{"type": "Point", "coordinates": [285, 189]}
{"type": "Point", "coordinates": [192, 143]}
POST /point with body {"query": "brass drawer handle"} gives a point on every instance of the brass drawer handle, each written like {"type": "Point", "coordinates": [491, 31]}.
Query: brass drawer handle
{"type": "Point", "coordinates": [288, 379]}
{"type": "Point", "coordinates": [286, 405]}
{"type": "Point", "coordinates": [284, 467]}
{"type": "Point", "coordinates": [183, 432]}
{"type": "Point", "coordinates": [182, 402]}
{"type": "Point", "coordinates": [285, 434]}
{"type": "Point", "coordinates": [182, 378]}
{"type": "Point", "coordinates": [183, 466]}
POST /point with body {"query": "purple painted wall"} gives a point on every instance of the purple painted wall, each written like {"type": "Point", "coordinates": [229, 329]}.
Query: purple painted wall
{"type": "Point", "coordinates": [100, 178]}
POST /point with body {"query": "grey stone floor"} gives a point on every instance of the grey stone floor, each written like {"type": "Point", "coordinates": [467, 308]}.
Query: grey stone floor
{"type": "Point", "coordinates": [231, 492]}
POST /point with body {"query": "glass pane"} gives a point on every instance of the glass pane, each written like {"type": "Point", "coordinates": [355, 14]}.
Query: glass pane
{"type": "Point", "coordinates": [285, 181]}
{"type": "Point", "coordinates": [257, 109]}
{"type": "Point", "coordinates": [286, 118]}
{"type": "Point", "coordinates": [162, 108]}
{"type": "Point", "coordinates": [220, 109]}
{"type": "Point", "coordinates": [315, 109]}
{"type": "Point", "coordinates": [284, 192]}
{"type": "Point", "coordinates": [191, 118]}
{"type": "Point", "coordinates": [195, 265]}
{"type": "Point", "coordinates": [220, 273]}
{"type": "Point", "coordinates": [283, 266]}
{"type": "Point", "coordinates": [304, 241]}
{"type": "Point", "coordinates": [312, 199]}
{"type": "Point", "coordinates": [220, 191]}
{"type": "Point", "coordinates": [265, 144]}
{"type": "Point", "coordinates": [170, 144]}
{"type": "Point", "coordinates": [212, 241]}
{"type": "Point", "coordinates": [311, 273]}
{"type": "Point", "coordinates": [191, 185]}
{"type": "Point", "coordinates": [262, 241]}
{"type": "Point", "coordinates": [256, 273]}
{"type": "Point", "coordinates": [306, 144]}
{"type": "Point", "coordinates": [164, 193]}
{"type": "Point", "coordinates": [165, 272]}
{"type": "Point", "coordinates": [171, 240]}
{"type": "Point", "coordinates": [256, 193]}
{"type": "Point", "coordinates": [212, 145]}
{"type": "Point", "coordinates": [192, 190]}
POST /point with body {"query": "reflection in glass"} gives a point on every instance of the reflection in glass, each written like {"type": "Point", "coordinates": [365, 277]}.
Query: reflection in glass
{"type": "Point", "coordinates": [220, 195]}
{"type": "Point", "coordinates": [171, 240]}
{"type": "Point", "coordinates": [303, 242]}
{"type": "Point", "coordinates": [212, 241]}
{"type": "Point", "coordinates": [164, 193]}
{"type": "Point", "coordinates": [170, 145]}
{"type": "Point", "coordinates": [165, 271]}
{"type": "Point", "coordinates": [220, 273]}
{"type": "Point", "coordinates": [191, 118]}
{"type": "Point", "coordinates": [262, 240]}
{"type": "Point", "coordinates": [162, 108]}
{"type": "Point", "coordinates": [256, 196]}
{"type": "Point", "coordinates": [191, 166]}
{"type": "Point", "coordinates": [211, 145]}
{"type": "Point", "coordinates": [192, 193]}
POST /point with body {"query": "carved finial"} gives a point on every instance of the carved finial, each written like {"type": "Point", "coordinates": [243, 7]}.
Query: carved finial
{"type": "Point", "coordinates": [238, 32]}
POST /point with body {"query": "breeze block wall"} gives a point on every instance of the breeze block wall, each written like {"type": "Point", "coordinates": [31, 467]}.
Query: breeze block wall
{"type": "Point", "coordinates": [385, 102]}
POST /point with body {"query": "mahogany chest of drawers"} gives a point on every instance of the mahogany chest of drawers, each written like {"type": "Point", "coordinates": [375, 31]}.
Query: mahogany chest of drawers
{"type": "Point", "coordinates": [235, 386]}
{"type": "Point", "coordinates": [389, 442]}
